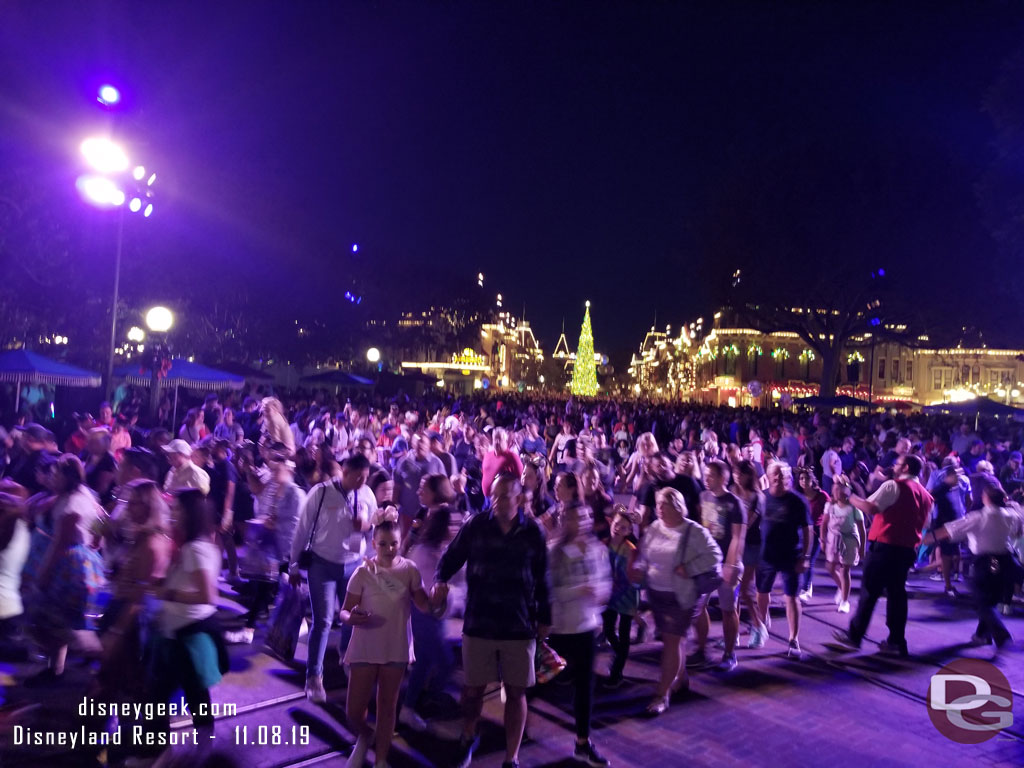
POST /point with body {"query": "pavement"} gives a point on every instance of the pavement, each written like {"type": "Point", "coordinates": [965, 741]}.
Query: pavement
{"type": "Point", "coordinates": [831, 708]}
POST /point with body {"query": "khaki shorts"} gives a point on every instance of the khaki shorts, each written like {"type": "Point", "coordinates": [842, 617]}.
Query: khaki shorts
{"type": "Point", "coordinates": [490, 661]}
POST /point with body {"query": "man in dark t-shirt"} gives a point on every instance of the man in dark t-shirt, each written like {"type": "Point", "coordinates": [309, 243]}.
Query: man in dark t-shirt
{"type": "Point", "coordinates": [724, 517]}
{"type": "Point", "coordinates": [666, 477]}
{"type": "Point", "coordinates": [786, 537]}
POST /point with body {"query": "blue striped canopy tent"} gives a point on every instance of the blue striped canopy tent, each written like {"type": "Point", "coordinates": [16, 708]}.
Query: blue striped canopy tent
{"type": "Point", "coordinates": [182, 374]}
{"type": "Point", "coordinates": [20, 366]}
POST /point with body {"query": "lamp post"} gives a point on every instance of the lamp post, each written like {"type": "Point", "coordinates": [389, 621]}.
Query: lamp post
{"type": "Point", "coordinates": [105, 188]}
{"type": "Point", "coordinates": [159, 321]}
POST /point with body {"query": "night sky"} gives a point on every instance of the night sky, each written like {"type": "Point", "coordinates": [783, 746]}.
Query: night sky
{"type": "Point", "coordinates": [570, 151]}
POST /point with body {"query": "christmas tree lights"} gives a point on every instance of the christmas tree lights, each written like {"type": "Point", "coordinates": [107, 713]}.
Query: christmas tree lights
{"type": "Point", "coordinates": [584, 372]}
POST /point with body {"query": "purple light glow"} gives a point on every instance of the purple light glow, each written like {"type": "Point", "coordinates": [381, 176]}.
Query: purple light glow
{"type": "Point", "coordinates": [149, 211]}
{"type": "Point", "coordinates": [100, 191]}
{"type": "Point", "coordinates": [108, 95]}
{"type": "Point", "coordinates": [104, 156]}
{"type": "Point", "coordinates": [135, 205]}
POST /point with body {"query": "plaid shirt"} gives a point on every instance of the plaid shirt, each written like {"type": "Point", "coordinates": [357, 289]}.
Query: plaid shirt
{"type": "Point", "coordinates": [506, 577]}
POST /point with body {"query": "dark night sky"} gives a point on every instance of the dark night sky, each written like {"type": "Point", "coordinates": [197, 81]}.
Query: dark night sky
{"type": "Point", "coordinates": [570, 151]}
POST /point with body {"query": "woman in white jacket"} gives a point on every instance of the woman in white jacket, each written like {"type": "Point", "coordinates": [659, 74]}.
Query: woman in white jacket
{"type": "Point", "coordinates": [667, 571]}
{"type": "Point", "coordinates": [580, 587]}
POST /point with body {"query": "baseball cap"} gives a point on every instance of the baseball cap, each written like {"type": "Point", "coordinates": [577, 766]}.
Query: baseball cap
{"type": "Point", "coordinates": [400, 446]}
{"type": "Point", "coordinates": [1016, 456]}
{"type": "Point", "coordinates": [178, 446]}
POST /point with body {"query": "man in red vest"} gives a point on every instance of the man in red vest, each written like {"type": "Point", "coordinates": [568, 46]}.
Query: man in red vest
{"type": "Point", "coordinates": [899, 509]}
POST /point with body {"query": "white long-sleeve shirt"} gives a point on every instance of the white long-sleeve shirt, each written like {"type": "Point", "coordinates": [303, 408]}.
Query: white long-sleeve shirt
{"type": "Point", "coordinates": [338, 537]}
{"type": "Point", "coordinates": [989, 530]}
{"type": "Point", "coordinates": [581, 584]}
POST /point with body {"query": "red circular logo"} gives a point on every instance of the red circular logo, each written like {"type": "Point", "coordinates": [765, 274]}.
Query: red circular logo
{"type": "Point", "coordinates": [970, 701]}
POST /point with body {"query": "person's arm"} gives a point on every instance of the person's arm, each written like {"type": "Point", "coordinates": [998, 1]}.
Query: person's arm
{"type": "Point", "coordinates": [351, 613]}
{"type": "Point", "coordinates": [879, 501]}
{"type": "Point", "coordinates": [541, 593]}
{"type": "Point", "coordinates": [823, 526]}
{"type": "Point", "coordinates": [863, 534]}
{"type": "Point", "coordinates": [805, 558]}
{"type": "Point", "coordinates": [454, 555]}
{"type": "Point", "coordinates": [735, 554]}
{"type": "Point", "coordinates": [228, 518]}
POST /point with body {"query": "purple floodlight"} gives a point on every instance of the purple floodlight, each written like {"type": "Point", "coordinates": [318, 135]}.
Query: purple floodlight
{"type": "Point", "coordinates": [104, 156]}
{"type": "Point", "coordinates": [100, 191]}
{"type": "Point", "coordinates": [108, 95]}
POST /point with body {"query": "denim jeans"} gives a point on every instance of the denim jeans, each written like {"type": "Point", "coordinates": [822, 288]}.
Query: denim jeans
{"type": "Point", "coordinates": [807, 578]}
{"type": "Point", "coordinates": [432, 656]}
{"type": "Point", "coordinates": [327, 582]}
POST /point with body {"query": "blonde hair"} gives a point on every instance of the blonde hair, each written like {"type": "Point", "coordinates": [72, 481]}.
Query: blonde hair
{"type": "Point", "coordinates": [675, 499]}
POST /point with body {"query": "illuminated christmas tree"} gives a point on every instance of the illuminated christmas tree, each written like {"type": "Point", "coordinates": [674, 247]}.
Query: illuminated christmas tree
{"type": "Point", "coordinates": [584, 371]}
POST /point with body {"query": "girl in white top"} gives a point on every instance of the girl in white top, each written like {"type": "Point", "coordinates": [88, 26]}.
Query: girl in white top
{"type": "Point", "coordinates": [843, 538]}
{"type": "Point", "coordinates": [377, 606]}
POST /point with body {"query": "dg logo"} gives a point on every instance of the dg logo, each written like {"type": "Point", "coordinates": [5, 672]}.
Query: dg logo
{"type": "Point", "coordinates": [970, 701]}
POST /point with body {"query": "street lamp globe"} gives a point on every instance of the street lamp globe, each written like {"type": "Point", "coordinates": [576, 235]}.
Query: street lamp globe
{"type": "Point", "coordinates": [373, 355]}
{"type": "Point", "coordinates": [159, 319]}
{"type": "Point", "coordinates": [104, 155]}
{"type": "Point", "coordinates": [108, 95]}
{"type": "Point", "coordinates": [136, 334]}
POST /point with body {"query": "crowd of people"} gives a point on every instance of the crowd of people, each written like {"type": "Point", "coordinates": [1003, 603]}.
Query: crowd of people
{"type": "Point", "coordinates": [551, 527]}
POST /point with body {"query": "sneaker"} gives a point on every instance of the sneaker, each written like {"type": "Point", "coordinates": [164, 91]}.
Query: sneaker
{"type": "Point", "coordinates": [464, 754]}
{"type": "Point", "coordinates": [807, 594]}
{"type": "Point", "coordinates": [952, 593]}
{"type": "Point", "coordinates": [358, 756]}
{"type": "Point", "coordinates": [697, 659]}
{"type": "Point", "coordinates": [794, 651]}
{"type": "Point", "coordinates": [838, 597]}
{"type": "Point", "coordinates": [758, 637]}
{"type": "Point", "coordinates": [893, 649]}
{"type": "Point", "coordinates": [315, 689]}
{"type": "Point", "coordinates": [843, 638]}
{"type": "Point", "coordinates": [240, 637]}
{"type": "Point", "coordinates": [844, 607]}
{"type": "Point", "coordinates": [935, 577]}
{"type": "Point", "coordinates": [728, 663]}
{"type": "Point", "coordinates": [1006, 609]}
{"type": "Point", "coordinates": [408, 716]}
{"type": "Point", "coordinates": [510, 764]}
{"type": "Point", "coordinates": [585, 753]}
{"type": "Point", "coordinates": [613, 682]}
{"type": "Point", "coordinates": [978, 641]}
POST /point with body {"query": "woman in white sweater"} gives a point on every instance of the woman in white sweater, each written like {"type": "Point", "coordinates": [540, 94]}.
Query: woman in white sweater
{"type": "Point", "coordinates": [668, 570]}
{"type": "Point", "coordinates": [580, 587]}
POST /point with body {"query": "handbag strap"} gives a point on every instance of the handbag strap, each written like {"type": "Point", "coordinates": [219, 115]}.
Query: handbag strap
{"type": "Point", "coordinates": [316, 520]}
{"type": "Point", "coordinates": [684, 542]}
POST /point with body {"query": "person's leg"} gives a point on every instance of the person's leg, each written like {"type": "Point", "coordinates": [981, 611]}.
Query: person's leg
{"type": "Point", "coordinates": [763, 599]}
{"type": "Point", "coordinates": [227, 542]}
{"type": "Point", "coordinates": [389, 682]}
{"type": "Point", "coordinates": [322, 594]}
{"type": "Point", "coordinates": [621, 646]}
{"type": "Point", "coordinates": [872, 583]}
{"type": "Point", "coordinates": [896, 604]}
{"type": "Point", "coordinates": [833, 568]}
{"type": "Point", "coordinates": [844, 582]}
{"type": "Point", "coordinates": [793, 617]}
{"type": "Point", "coordinates": [671, 663]}
{"type": "Point", "coordinates": [807, 577]}
{"type": "Point", "coordinates": [428, 649]}
{"type": "Point", "coordinates": [515, 720]}
{"type": "Point", "coordinates": [988, 589]}
{"type": "Point", "coordinates": [700, 631]}
{"type": "Point", "coordinates": [472, 707]}
{"type": "Point", "coordinates": [748, 594]}
{"type": "Point", "coordinates": [583, 700]}
{"type": "Point", "coordinates": [947, 571]}
{"type": "Point", "coordinates": [357, 698]}
{"type": "Point", "coordinates": [196, 695]}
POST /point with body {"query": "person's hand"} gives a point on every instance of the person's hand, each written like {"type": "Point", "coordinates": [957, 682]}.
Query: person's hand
{"type": "Point", "coordinates": [357, 617]}
{"type": "Point", "coordinates": [439, 593]}
{"type": "Point", "coordinates": [681, 571]}
{"type": "Point", "coordinates": [295, 578]}
{"type": "Point", "coordinates": [731, 574]}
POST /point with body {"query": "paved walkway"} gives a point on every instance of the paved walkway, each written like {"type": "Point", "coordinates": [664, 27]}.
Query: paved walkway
{"type": "Point", "coordinates": [829, 709]}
